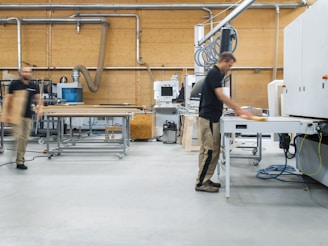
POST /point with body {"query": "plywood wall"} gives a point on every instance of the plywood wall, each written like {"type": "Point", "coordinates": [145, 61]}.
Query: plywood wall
{"type": "Point", "coordinates": [166, 41]}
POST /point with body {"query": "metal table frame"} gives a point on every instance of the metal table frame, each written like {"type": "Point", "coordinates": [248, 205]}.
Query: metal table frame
{"type": "Point", "coordinates": [256, 151]}
{"type": "Point", "coordinates": [67, 143]}
{"type": "Point", "coordinates": [230, 125]}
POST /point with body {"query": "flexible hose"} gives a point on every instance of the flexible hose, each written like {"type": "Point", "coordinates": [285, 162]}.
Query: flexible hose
{"type": "Point", "coordinates": [94, 86]}
{"type": "Point", "coordinates": [209, 54]}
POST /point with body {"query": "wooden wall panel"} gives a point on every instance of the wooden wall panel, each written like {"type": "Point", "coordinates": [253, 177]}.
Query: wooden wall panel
{"type": "Point", "coordinates": [34, 45]}
{"type": "Point", "coordinates": [250, 88]}
{"type": "Point", "coordinates": [259, 45]}
{"type": "Point", "coordinates": [8, 46]}
{"type": "Point", "coordinates": [122, 87]}
{"type": "Point", "coordinates": [166, 39]}
{"type": "Point", "coordinates": [70, 48]}
{"type": "Point", "coordinates": [121, 52]}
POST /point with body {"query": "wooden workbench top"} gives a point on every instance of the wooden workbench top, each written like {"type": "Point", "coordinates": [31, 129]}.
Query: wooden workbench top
{"type": "Point", "coordinates": [88, 110]}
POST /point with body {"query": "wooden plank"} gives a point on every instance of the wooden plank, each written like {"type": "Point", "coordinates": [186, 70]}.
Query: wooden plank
{"type": "Point", "coordinates": [187, 134]}
{"type": "Point", "coordinates": [17, 108]}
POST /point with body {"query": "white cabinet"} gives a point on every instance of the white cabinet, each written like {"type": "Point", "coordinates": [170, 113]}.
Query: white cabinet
{"type": "Point", "coordinates": [305, 62]}
{"type": "Point", "coordinates": [293, 68]}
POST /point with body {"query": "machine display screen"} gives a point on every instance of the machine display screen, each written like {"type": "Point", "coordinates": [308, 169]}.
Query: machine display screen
{"type": "Point", "coordinates": [72, 95]}
{"type": "Point", "coordinates": [166, 91]}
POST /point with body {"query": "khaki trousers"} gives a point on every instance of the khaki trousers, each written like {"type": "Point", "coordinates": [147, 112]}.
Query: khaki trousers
{"type": "Point", "coordinates": [209, 150]}
{"type": "Point", "coordinates": [22, 133]}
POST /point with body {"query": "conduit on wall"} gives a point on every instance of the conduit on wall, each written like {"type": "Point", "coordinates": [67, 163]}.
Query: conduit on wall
{"type": "Point", "coordinates": [138, 57]}
{"type": "Point", "coordinates": [19, 36]}
{"type": "Point", "coordinates": [275, 64]}
{"type": "Point", "coordinates": [118, 6]}
{"type": "Point", "coordinates": [93, 85]}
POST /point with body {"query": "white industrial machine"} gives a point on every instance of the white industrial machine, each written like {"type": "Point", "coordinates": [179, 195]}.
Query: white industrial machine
{"type": "Point", "coordinates": [70, 93]}
{"type": "Point", "coordinates": [166, 111]}
{"type": "Point", "coordinates": [306, 92]}
{"type": "Point", "coordinates": [166, 91]}
{"type": "Point", "coordinates": [275, 89]}
{"type": "Point", "coordinates": [305, 62]}
{"type": "Point", "coordinates": [189, 83]}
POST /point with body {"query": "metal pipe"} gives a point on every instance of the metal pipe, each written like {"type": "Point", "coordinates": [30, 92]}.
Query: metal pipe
{"type": "Point", "coordinates": [64, 20]}
{"type": "Point", "coordinates": [19, 37]}
{"type": "Point", "coordinates": [210, 17]}
{"type": "Point", "coordinates": [121, 15]}
{"type": "Point", "coordinates": [93, 86]}
{"type": "Point", "coordinates": [142, 68]}
{"type": "Point", "coordinates": [244, 5]}
{"type": "Point", "coordinates": [275, 64]}
{"type": "Point", "coordinates": [142, 6]}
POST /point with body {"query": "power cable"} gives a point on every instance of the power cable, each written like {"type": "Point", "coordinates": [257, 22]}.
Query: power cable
{"type": "Point", "coordinates": [33, 158]}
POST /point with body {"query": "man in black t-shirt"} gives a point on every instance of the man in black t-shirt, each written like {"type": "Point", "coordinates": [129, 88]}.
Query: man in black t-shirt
{"type": "Point", "coordinates": [20, 95]}
{"type": "Point", "coordinates": [210, 111]}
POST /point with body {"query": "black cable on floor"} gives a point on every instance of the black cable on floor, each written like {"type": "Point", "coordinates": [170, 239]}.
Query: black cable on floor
{"type": "Point", "coordinates": [278, 171]}
{"type": "Point", "coordinates": [33, 158]}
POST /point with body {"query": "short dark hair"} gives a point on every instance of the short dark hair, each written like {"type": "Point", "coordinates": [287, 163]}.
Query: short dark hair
{"type": "Point", "coordinates": [227, 56]}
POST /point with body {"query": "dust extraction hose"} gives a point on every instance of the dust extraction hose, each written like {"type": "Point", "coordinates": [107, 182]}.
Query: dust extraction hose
{"type": "Point", "coordinates": [94, 86]}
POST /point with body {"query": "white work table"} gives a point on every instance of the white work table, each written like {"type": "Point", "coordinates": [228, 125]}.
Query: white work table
{"type": "Point", "coordinates": [235, 124]}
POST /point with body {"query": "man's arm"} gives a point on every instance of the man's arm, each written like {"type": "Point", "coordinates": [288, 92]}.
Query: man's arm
{"type": "Point", "coordinates": [39, 107]}
{"type": "Point", "coordinates": [231, 104]}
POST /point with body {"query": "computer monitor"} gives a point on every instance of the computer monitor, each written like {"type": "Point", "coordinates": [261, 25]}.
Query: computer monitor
{"type": "Point", "coordinates": [71, 93]}
{"type": "Point", "coordinates": [167, 91]}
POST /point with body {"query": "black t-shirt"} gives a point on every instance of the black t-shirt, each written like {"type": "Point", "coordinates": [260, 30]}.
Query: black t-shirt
{"type": "Point", "coordinates": [32, 88]}
{"type": "Point", "coordinates": [210, 106]}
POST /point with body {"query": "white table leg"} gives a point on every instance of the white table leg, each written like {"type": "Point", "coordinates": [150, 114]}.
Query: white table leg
{"type": "Point", "coordinates": [227, 163]}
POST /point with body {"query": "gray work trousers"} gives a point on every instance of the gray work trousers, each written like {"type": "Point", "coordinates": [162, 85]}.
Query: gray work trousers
{"type": "Point", "coordinates": [209, 150]}
{"type": "Point", "coordinates": [22, 133]}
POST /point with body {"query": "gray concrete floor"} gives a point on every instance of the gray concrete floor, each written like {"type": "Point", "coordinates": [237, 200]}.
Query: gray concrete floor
{"type": "Point", "coordinates": [148, 198]}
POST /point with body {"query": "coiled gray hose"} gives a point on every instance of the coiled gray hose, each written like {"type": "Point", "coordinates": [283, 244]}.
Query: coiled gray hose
{"type": "Point", "coordinates": [206, 56]}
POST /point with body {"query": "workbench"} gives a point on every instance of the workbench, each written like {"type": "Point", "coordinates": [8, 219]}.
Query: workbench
{"type": "Point", "coordinates": [69, 143]}
{"type": "Point", "coordinates": [234, 124]}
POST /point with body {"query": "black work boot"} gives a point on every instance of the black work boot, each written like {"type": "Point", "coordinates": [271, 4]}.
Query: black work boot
{"type": "Point", "coordinates": [21, 166]}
